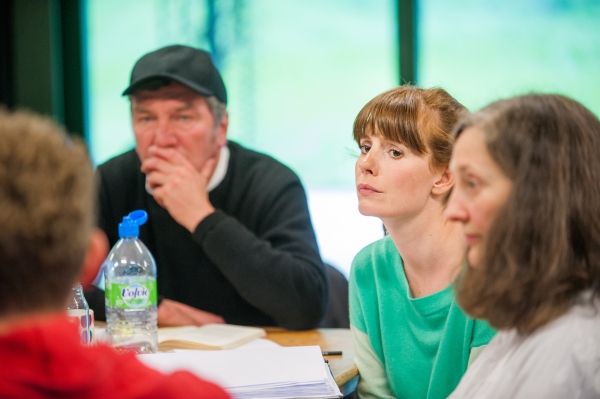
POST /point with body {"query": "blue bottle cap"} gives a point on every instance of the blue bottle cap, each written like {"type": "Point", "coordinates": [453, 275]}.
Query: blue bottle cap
{"type": "Point", "coordinates": [130, 226]}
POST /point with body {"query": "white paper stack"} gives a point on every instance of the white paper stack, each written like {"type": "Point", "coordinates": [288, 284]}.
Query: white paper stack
{"type": "Point", "coordinates": [270, 373]}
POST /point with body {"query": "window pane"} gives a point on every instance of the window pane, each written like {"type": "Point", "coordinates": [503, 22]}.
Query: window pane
{"type": "Point", "coordinates": [297, 73]}
{"type": "Point", "coordinates": [485, 51]}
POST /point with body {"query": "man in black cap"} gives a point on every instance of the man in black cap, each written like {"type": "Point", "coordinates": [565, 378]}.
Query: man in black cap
{"type": "Point", "coordinates": [229, 227]}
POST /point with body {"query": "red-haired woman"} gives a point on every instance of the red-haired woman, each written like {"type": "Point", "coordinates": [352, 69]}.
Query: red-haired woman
{"type": "Point", "coordinates": [411, 338]}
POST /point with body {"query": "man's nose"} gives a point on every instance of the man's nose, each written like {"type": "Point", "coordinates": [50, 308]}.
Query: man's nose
{"type": "Point", "coordinates": [164, 135]}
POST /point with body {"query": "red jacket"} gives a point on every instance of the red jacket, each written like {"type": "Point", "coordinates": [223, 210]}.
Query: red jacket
{"type": "Point", "coordinates": [46, 360]}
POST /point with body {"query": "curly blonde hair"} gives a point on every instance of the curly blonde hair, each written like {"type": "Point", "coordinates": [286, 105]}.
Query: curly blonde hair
{"type": "Point", "coordinates": [46, 212]}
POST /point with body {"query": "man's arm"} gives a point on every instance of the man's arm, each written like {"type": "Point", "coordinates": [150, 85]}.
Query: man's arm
{"type": "Point", "coordinates": [278, 269]}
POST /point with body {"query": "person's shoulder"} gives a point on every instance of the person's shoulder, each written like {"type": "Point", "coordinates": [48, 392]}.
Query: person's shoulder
{"type": "Point", "coordinates": [568, 347]}
{"type": "Point", "coordinates": [373, 283]}
{"type": "Point", "coordinates": [127, 162]}
{"type": "Point", "coordinates": [571, 338]}
{"type": "Point", "coordinates": [375, 250]}
{"type": "Point", "coordinates": [379, 254]}
{"type": "Point", "coordinates": [579, 324]}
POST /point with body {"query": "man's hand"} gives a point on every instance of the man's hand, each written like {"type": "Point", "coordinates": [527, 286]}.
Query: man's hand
{"type": "Point", "coordinates": [178, 187]}
{"type": "Point", "coordinates": [172, 313]}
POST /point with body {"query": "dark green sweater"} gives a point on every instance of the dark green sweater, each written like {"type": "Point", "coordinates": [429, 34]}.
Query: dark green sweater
{"type": "Point", "coordinates": [255, 261]}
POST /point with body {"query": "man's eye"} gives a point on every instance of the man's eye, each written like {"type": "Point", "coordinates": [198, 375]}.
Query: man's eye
{"type": "Point", "coordinates": [364, 149]}
{"type": "Point", "coordinates": [184, 117]}
{"type": "Point", "coordinates": [395, 153]}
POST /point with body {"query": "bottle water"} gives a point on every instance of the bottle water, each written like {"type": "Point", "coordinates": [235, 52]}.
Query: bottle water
{"type": "Point", "coordinates": [130, 290]}
{"type": "Point", "coordinates": [79, 312]}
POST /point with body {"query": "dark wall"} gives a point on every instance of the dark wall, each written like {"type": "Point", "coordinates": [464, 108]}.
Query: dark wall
{"type": "Point", "coordinates": [6, 86]}
{"type": "Point", "coordinates": [41, 59]}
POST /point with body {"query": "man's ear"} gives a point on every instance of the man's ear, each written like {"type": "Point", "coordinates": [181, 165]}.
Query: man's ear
{"type": "Point", "coordinates": [443, 184]}
{"type": "Point", "coordinates": [221, 134]}
{"type": "Point", "coordinates": [95, 256]}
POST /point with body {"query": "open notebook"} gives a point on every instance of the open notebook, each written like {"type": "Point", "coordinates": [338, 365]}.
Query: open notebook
{"type": "Point", "coordinates": [208, 336]}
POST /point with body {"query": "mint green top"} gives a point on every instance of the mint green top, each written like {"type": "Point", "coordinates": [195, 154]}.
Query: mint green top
{"type": "Point", "coordinates": [406, 347]}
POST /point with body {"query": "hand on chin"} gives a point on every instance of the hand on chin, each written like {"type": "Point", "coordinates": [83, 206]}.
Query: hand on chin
{"type": "Point", "coordinates": [178, 187]}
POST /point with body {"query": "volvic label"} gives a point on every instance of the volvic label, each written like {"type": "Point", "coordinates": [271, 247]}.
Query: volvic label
{"type": "Point", "coordinates": [131, 296]}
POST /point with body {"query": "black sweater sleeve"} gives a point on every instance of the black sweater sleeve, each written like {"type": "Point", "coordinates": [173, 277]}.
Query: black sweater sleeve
{"type": "Point", "coordinates": [277, 270]}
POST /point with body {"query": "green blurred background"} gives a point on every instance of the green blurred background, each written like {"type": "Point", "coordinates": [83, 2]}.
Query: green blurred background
{"type": "Point", "coordinates": [297, 72]}
{"type": "Point", "coordinates": [481, 51]}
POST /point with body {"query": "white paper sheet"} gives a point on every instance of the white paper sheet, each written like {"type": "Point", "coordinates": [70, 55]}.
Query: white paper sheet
{"type": "Point", "coordinates": [280, 372]}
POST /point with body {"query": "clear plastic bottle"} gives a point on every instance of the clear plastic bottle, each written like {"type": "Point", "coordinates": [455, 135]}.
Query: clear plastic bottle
{"type": "Point", "coordinates": [130, 290]}
{"type": "Point", "coordinates": [79, 311]}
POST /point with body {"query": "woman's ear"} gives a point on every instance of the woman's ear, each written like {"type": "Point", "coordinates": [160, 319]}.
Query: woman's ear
{"type": "Point", "coordinates": [444, 183]}
{"type": "Point", "coordinates": [94, 258]}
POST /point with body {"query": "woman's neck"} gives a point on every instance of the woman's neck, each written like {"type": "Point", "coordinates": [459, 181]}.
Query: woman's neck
{"type": "Point", "coordinates": [432, 250]}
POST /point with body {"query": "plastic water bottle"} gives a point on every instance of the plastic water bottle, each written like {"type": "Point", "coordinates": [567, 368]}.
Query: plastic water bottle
{"type": "Point", "coordinates": [79, 312]}
{"type": "Point", "coordinates": [130, 290]}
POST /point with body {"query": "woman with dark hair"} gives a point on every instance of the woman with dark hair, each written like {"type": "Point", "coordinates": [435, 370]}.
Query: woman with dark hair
{"type": "Point", "coordinates": [411, 339]}
{"type": "Point", "coordinates": [527, 192]}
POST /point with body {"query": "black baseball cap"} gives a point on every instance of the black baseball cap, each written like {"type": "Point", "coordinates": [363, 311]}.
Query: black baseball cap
{"type": "Point", "coordinates": [187, 65]}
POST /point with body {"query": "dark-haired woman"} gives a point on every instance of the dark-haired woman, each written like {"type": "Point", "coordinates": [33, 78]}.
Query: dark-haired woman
{"type": "Point", "coordinates": [527, 192]}
{"type": "Point", "coordinates": [411, 339]}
